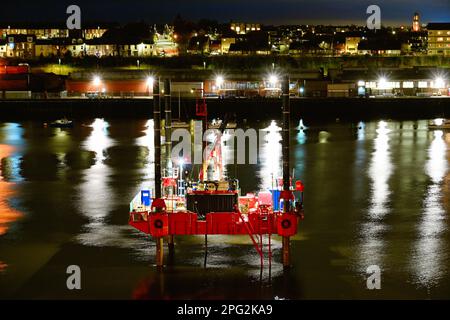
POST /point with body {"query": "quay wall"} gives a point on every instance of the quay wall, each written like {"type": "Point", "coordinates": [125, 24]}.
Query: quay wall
{"type": "Point", "coordinates": [252, 109]}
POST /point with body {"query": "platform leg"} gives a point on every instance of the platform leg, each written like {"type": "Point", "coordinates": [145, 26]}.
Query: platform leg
{"type": "Point", "coordinates": [171, 243]}
{"type": "Point", "coordinates": [159, 252]}
{"type": "Point", "coordinates": [286, 252]}
{"type": "Point", "coordinates": [206, 250]}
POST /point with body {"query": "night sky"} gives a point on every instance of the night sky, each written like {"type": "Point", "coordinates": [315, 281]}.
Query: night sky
{"type": "Point", "coordinates": [394, 12]}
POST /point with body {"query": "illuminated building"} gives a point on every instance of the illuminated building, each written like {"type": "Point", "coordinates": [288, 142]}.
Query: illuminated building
{"type": "Point", "coordinates": [39, 33]}
{"type": "Point", "coordinates": [351, 44]}
{"type": "Point", "coordinates": [17, 46]}
{"type": "Point", "coordinates": [417, 81]}
{"type": "Point", "coordinates": [416, 22]}
{"type": "Point", "coordinates": [439, 39]}
{"type": "Point", "coordinates": [3, 48]}
{"type": "Point", "coordinates": [226, 42]}
{"type": "Point", "coordinates": [243, 28]}
{"type": "Point", "coordinates": [93, 33]}
{"type": "Point", "coordinates": [49, 32]}
{"type": "Point", "coordinates": [165, 44]}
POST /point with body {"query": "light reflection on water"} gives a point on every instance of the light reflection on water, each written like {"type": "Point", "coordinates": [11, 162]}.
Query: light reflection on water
{"type": "Point", "coordinates": [365, 156]}
{"type": "Point", "coordinates": [270, 157]}
{"type": "Point", "coordinates": [95, 194]}
{"type": "Point", "coordinates": [147, 141]}
{"type": "Point", "coordinates": [11, 147]}
{"type": "Point", "coordinates": [7, 214]}
{"type": "Point", "coordinates": [372, 244]}
{"type": "Point", "coordinates": [428, 258]}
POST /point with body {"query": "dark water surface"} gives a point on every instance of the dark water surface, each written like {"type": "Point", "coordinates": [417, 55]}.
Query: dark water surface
{"type": "Point", "coordinates": [377, 193]}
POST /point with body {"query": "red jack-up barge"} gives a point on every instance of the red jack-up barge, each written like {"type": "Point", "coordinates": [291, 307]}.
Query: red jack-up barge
{"type": "Point", "coordinates": [214, 207]}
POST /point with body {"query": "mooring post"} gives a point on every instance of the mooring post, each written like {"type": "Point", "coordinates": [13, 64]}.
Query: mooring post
{"type": "Point", "coordinates": [286, 161]}
{"type": "Point", "coordinates": [168, 138]}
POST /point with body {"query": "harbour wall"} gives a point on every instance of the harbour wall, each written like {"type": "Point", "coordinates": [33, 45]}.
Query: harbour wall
{"type": "Point", "coordinates": [240, 109]}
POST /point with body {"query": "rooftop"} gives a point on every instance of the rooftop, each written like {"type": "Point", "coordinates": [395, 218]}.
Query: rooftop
{"type": "Point", "coordinates": [439, 26]}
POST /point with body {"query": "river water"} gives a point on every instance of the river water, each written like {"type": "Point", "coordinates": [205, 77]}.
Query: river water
{"type": "Point", "coordinates": [376, 193]}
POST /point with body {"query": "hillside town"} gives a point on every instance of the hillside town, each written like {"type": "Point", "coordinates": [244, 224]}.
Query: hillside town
{"type": "Point", "coordinates": [207, 37]}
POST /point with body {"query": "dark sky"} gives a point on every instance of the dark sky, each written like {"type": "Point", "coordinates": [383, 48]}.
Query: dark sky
{"type": "Point", "coordinates": [265, 11]}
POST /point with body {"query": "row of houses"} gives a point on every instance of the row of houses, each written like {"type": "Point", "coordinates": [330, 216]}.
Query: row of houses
{"type": "Point", "coordinates": [28, 47]}
{"type": "Point", "coordinates": [129, 41]}
{"type": "Point", "coordinates": [52, 32]}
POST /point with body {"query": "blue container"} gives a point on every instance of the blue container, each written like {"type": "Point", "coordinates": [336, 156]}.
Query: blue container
{"type": "Point", "coordinates": [146, 198]}
{"type": "Point", "coordinates": [276, 199]}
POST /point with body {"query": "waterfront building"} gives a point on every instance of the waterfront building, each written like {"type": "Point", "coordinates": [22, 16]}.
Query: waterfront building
{"type": "Point", "coordinates": [417, 81]}
{"type": "Point", "coordinates": [439, 39]}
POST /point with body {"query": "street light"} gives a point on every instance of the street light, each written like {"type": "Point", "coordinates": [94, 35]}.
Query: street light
{"type": "Point", "coordinates": [382, 83]}
{"type": "Point", "coordinates": [150, 80]}
{"type": "Point", "coordinates": [219, 81]}
{"type": "Point", "coordinates": [96, 81]}
{"type": "Point", "coordinates": [439, 83]}
{"type": "Point", "coordinates": [273, 79]}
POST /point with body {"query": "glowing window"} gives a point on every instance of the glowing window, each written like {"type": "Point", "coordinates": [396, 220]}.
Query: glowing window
{"type": "Point", "coordinates": [408, 84]}
{"type": "Point", "coordinates": [423, 84]}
